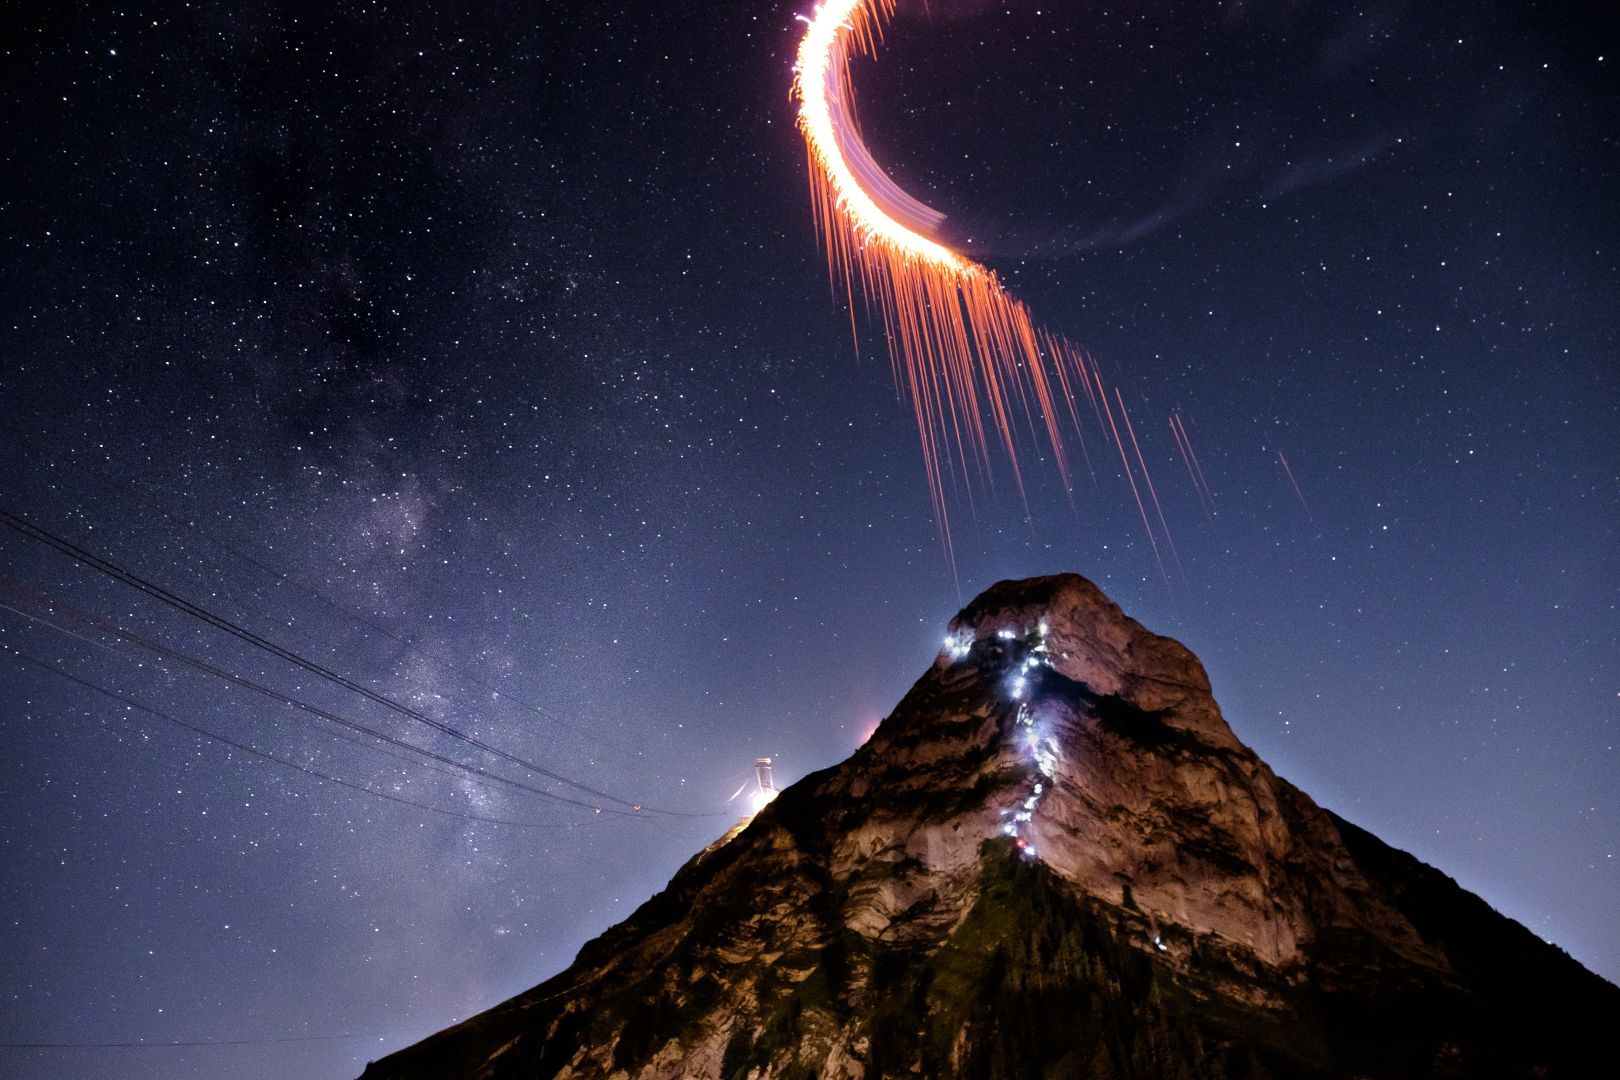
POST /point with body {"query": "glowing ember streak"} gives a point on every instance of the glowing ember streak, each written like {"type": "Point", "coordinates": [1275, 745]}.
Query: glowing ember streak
{"type": "Point", "coordinates": [1130, 476]}
{"type": "Point", "coordinates": [967, 354]}
{"type": "Point", "coordinates": [1142, 461]}
{"type": "Point", "coordinates": [1282, 460]}
{"type": "Point", "coordinates": [1206, 498]}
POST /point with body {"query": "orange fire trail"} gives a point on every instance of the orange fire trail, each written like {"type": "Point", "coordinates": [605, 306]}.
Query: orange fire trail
{"type": "Point", "coordinates": [1293, 483]}
{"type": "Point", "coordinates": [1148, 479]}
{"type": "Point", "coordinates": [1206, 498]}
{"type": "Point", "coordinates": [1186, 460]}
{"type": "Point", "coordinates": [1126, 463]}
{"type": "Point", "coordinates": [967, 354]}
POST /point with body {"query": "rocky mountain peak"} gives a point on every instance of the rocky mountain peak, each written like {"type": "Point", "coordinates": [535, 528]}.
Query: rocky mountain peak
{"type": "Point", "coordinates": [1087, 639]}
{"type": "Point", "coordinates": [1081, 635]}
{"type": "Point", "coordinates": [1053, 858]}
{"type": "Point", "coordinates": [1095, 746]}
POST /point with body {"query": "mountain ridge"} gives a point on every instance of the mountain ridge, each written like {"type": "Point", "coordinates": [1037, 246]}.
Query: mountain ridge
{"type": "Point", "coordinates": [1053, 858]}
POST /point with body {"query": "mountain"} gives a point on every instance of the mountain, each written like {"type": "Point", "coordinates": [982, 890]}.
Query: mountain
{"type": "Point", "coordinates": [1054, 859]}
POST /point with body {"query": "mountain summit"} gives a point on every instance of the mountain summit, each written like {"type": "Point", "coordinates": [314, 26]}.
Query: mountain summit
{"type": "Point", "coordinates": [1054, 859]}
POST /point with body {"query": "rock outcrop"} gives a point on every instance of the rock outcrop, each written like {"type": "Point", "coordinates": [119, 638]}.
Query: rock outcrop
{"type": "Point", "coordinates": [1053, 859]}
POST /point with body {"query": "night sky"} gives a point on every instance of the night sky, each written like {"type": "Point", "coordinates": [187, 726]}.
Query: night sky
{"type": "Point", "coordinates": [486, 358]}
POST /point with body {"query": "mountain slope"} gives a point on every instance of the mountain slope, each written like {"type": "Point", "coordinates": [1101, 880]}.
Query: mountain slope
{"type": "Point", "coordinates": [1053, 859]}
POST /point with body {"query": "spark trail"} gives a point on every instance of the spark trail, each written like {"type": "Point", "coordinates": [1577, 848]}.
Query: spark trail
{"type": "Point", "coordinates": [1288, 471]}
{"type": "Point", "coordinates": [1158, 510]}
{"type": "Point", "coordinates": [1195, 471]}
{"type": "Point", "coordinates": [969, 356]}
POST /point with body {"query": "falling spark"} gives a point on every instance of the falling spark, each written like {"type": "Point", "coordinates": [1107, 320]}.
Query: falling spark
{"type": "Point", "coordinates": [1142, 461]}
{"type": "Point", "coordinates": [968, 355]}
{"type": "Point", "coordinates": [1206, 498]}
{"type": "Point", "coordinates": [1282, 460]}
{"type": "Point", "coordinates": [1130, 476]}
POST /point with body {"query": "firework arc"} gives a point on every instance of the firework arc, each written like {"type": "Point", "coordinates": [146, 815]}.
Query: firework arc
{"type": "Point", "coordinates": [976, 367]}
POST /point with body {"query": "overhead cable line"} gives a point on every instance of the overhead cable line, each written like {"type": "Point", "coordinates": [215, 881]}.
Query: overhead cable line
{"type": "Point", "coordinates": [184, 1042]}
{"type": "Point", "coordinates": [359, 617]}
{"type": "Point", "coordinates": [314, 710]}
{"type": "Point", "coordinates": [157, 592]}
{"type": "Point", "coordinates": [11, 586]}
{"type": "Point", "coordinates": [255, 751]}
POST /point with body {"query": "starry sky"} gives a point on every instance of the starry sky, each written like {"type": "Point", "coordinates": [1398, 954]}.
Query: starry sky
{"type": "Point", "coordinates": [483, 357]}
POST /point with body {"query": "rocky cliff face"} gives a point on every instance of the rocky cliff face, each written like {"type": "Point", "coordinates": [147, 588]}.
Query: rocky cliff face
{"type": "Point", "coordinates": [1053, 859]}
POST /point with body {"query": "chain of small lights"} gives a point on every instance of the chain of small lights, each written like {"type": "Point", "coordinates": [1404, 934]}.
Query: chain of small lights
{"type": "Point", "coordinates": [1017, 821]}
{"type": "Point", "coordinates": [1042, 749]}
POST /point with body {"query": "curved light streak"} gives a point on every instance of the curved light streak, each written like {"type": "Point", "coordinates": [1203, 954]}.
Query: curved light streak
{"type": "Point", "coordinates": [969, 356]}
{"type": "Point", "coordinates": [822, 84]}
